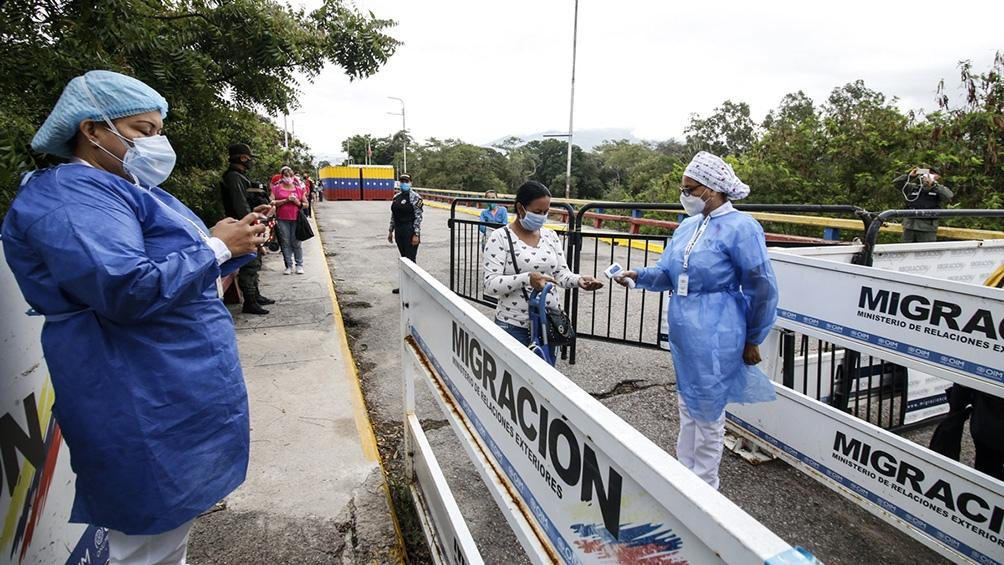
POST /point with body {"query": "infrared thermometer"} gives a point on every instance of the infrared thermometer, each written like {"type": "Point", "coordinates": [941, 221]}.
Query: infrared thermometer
{"type": "Point", "coordinates": [615, 271]}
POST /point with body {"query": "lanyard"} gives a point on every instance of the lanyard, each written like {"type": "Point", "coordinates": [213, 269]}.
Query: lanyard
{"type": "Point", "coordinates": [693, 242]}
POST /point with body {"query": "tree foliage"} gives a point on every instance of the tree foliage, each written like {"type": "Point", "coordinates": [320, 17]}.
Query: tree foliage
{"type": "Point", "coordinates": [222, 66]}
{"type": "Point", "coordinates": [846, 150]}
{"type": "Point", "coordinates": [452, 163]}
{"type": "Point", "coordinates": [729, 130]}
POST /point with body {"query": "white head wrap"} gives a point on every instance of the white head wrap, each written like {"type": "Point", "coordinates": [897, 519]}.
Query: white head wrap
{"type": "Point", "coordinates": [714, 173]}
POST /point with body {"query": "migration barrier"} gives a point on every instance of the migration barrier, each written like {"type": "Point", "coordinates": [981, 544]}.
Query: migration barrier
{"type": "Point", "coordinates": [575, 482]}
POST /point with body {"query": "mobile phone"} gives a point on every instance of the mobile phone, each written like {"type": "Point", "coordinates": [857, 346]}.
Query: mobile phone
{"type": "Point", "coordinates": [922, 172]}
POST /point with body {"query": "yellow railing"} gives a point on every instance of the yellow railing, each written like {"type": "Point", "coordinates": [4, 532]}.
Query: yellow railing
{"type": "Point", "coordinates": [792, 219]}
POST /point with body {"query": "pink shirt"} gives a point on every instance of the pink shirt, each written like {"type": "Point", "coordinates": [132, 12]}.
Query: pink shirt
{"type": "Point", "coordinates": [282, 191]}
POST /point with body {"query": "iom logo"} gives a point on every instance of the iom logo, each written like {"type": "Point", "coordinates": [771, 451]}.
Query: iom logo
{"type": "Point", "coordinates": [990, 372]}
{"type": "Point", "coordinates": [888, 343]}
{"type": "Point", "coordinates": [918, 352]}
{"type": "Point", "coordinates": [946, 539]}
{"type": "Point", "coordinates": [953, 361]}
{"type": "Point", "coordinates": [887, 505]}
{"type": "Point", "coordinates": [917, 522]}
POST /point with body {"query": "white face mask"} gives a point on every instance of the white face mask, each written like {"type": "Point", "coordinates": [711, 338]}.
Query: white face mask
{"type": "Point", "coordinates": [692, 205]}
{"type": "Point", "coordinates": [149, 160]}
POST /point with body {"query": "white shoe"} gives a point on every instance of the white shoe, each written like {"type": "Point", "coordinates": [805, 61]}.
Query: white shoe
{"type": "Point", "coordinates": [299, 270]}
{"type": "Point", "coordinates": [288, 271]}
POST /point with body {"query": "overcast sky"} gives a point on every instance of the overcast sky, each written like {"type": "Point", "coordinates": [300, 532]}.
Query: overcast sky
{"type": "Point", "coordinates": [479, 70]}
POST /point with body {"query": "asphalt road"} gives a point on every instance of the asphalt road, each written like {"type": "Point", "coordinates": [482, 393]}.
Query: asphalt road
{"type": "Point", "coordinates": [636, 383]}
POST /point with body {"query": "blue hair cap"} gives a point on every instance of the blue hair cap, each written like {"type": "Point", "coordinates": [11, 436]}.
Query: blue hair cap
{"type": "Point", "coordinates": [111, 94]}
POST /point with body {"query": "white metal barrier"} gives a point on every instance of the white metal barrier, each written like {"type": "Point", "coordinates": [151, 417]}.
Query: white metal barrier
{"type": "Point", "coordinates": [575, 482]}
{"type": "Point", "coordinates": [36, 486]}
{"type": "Point", "coordinates": [942, 327]}
{"type": "Point", "coordinates": [936, 326]}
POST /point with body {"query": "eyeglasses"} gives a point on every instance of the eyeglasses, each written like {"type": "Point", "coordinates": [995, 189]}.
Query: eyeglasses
{"type": "Point", "coordinates": [688, 191]}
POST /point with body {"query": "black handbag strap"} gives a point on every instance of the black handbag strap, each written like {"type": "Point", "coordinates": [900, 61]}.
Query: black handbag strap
{"type": "Point", "coordinates": [512, 252]}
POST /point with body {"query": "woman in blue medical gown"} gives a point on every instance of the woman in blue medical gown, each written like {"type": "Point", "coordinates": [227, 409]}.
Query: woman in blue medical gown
{"type": "Point", "coordinates": [141, 351]}
{"type": "Point", "coordinates": [723, 306]}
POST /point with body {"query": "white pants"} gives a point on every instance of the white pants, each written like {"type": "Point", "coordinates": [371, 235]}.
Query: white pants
{"type": "Point", "coordinates": [700, 444]}
{"type": "Point", "coordinates": [168, 548]}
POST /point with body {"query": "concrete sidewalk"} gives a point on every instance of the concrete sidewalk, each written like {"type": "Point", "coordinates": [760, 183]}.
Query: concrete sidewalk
{"type": "Point", "coordinates": [315, 492]}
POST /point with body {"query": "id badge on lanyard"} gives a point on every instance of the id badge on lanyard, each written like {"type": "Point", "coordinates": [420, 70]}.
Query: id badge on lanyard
{"type": "Point", "coordinates": [683, 281]}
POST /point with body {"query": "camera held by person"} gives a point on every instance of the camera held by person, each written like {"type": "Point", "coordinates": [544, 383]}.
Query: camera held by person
{"type": "Point", "coordinates": [922, 190]}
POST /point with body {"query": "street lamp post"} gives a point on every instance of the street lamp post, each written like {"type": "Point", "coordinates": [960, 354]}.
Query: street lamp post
{"type": "Point", "coordinates": [285, 132]}
{"type": "Point", "coordinates": [571, 105]}
{"type": "Point", "coordinates": [404, 128]}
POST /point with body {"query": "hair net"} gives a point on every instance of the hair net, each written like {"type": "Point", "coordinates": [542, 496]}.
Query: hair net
{"type": "Point", "coordinates": [117, 94]}
{"type": "Point", "coordinates": [714, 173]}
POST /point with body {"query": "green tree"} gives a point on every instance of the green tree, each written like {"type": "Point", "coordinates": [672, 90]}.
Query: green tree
{"type": "Point", "coordinates": [220, 65]}
{"type": "Point", "coordinates": [866, 139]}
{"type": "Point", "coordinates": [589, 179]}
{"type": "Point", "coordinates": [966, 142]}
{"type": "Point", "coordinates": [381, 147]}
{"type": "Point", "coordinates": [784, 165]}
{"type": "Point", "coordinates": [518, 165]}
{"type": "Point", "coordinates": [729, 130]}
{"type": "Point", "coordinates": [455, 165]}
{"type": "Point", "coordinates": [634, 169]}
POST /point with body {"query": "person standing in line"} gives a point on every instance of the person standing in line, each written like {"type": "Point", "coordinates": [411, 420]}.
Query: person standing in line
{"type": "Point", "coordinates": [289, 200]}
{"type": "Point", "coordinates": [239, 198]}
{"type": "Point", "coordinates": [406, 220]}
{"type": "Point", "coordinates": [319, 188]}
{"type": "Point", "coordinates": [141, 351]}
{"type": "Point", "coordinates": [723, 306]}
{"type": "Point", "coordinates": [923, 191]}
{"type": "Point", "coordinates": [492, 214]}
{"type": "Point", "coordinates": [308, 191]}
{"type": "Point", "coordinates": [525, 254]}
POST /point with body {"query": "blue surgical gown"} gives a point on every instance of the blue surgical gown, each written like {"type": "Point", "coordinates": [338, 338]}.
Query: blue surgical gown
{"type": "Point", "coordinates": [140, 349]}
{"type": "Point", "coordinates": [731, 301]}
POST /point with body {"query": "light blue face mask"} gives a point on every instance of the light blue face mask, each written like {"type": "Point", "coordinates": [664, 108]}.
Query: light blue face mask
{"type": "Point", "coordinates": [533, 222]}
{"type": "Point", "coordinates": [405, 186]}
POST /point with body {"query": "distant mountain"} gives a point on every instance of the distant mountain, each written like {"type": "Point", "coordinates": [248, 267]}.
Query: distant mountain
{"type": "Point", "coordinates": [585, 138]}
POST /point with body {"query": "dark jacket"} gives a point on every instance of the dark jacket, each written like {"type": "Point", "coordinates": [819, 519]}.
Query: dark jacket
{"type": "Point", "coordinates": [234, 192]}
{"type": "Point", "coordinates": [915, 192]}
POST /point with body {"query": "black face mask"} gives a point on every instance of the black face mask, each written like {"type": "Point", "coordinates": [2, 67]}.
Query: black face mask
{"type": "Point", "coordinates": [249, 163]}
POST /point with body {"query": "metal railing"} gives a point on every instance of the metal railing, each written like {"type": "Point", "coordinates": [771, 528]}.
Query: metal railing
{"type": "Point", "coordinates": [871, 235]}
{"type": "Point", "coordinates": [618, 315]}
{"type": "Point", "coordinates": [830, 226]}
{"type": "Point", "coordinates": [866, 387]}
